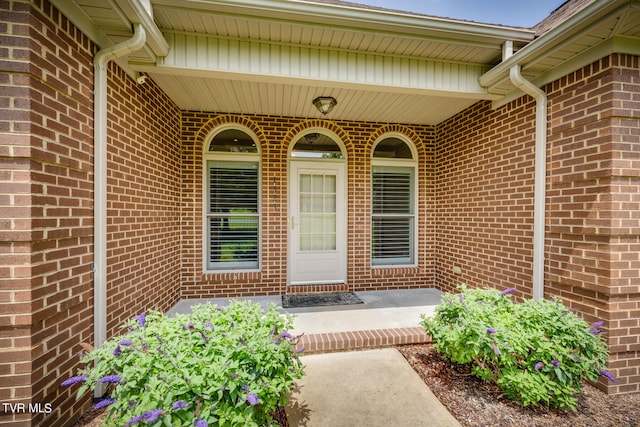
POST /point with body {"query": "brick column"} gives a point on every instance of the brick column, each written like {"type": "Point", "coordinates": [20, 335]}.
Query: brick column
{"type": "Point", "coordinates": [593, 239]}
{"type": "Point", "coordinates": [45, 198]}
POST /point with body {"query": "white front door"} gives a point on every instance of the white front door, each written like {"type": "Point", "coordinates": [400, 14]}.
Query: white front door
{"type": "Point", "coordinates": [317, 223]}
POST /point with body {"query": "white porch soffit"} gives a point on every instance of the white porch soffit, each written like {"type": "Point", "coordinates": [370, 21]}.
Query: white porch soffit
{"type": "Point", "coordinates": [274, 57]}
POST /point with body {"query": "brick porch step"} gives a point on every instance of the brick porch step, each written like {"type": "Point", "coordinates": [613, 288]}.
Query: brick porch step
{"type": "Point", "coordinates": [356, 340]}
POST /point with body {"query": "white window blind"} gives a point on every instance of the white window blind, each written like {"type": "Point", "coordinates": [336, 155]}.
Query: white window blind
{"type": "Point", "coordinates": [233, 215]}
{"type": "Point", "coordinates": [393, 215]}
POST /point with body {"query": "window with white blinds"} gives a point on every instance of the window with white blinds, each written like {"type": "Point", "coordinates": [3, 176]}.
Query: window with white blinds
{"type": "Point", "coordinates": [393, 211]}
{"type": "Point", "coordinates": [393, 215]}
{"type": "Point", "coordinates": [233, 215]}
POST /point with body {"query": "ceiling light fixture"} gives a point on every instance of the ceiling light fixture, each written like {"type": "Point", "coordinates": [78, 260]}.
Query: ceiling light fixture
{"type": "Point", "coordinates": [311, 137]}
{"type": "Point", "coordinates": [325, 104]}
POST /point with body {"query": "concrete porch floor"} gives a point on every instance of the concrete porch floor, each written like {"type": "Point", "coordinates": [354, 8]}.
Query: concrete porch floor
{"type": "Point", "coordinates": [386, 318]}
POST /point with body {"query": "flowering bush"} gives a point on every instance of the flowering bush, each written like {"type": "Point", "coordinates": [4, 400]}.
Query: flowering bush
{"type": "Point", "coordinates": [222, 366]}
{"type": "Point", "coordinates": [537, 352]}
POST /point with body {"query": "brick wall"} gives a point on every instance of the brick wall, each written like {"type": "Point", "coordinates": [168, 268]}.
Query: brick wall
{"type": "Point", "coordinates": [143, 199]}
{"type": "Point", "coordinates": [593, 235]}
{"type": "Point", "coordinates": [275, 135]}
{"type": "Point", "coordinates": [46, 195]}
{"type": "Point", "coordinates": [46, 199]}
{"type": "Point", "coordinates": [485, 185]}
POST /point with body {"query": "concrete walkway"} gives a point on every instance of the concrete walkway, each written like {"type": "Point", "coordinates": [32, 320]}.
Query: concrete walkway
{"type": "Point", "coordinates": [364, 388]}
{"type": "Point", "coordinates": [371, 386]}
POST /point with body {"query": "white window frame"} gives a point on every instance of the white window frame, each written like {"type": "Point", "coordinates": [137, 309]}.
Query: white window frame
{"type": "Point", "coordinates": [397, 163]}
{"type": "Point", "coordinates": [208, 156]}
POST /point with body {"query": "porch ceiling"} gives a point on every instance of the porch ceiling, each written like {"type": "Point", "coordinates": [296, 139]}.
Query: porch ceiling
{"type": "Point", "coordinates": [275, 56]}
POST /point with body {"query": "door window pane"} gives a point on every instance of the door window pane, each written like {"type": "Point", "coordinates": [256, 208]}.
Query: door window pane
{"type": "Point", "coordinates": [317, 201]}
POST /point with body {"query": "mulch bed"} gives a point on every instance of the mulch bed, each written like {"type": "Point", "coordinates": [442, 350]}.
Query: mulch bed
{"type": "Point", "coordinates": [476, 403]}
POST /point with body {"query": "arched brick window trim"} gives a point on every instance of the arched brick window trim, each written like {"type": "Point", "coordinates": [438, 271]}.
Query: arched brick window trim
{"type": "Point", "coordinates": [317, 123]}
{"type": "Point", "coordinates": [409, 133]}
{"type": "Point", "coordinates": [226, 119]}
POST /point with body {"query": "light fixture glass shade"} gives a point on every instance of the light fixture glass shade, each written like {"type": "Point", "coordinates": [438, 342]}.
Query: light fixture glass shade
{"type": "Point", "coordinates": [325, 104]}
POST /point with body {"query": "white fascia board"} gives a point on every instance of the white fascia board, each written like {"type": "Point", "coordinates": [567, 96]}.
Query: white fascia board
{"type": "Point", "coordinates": [202, 56]}
{"type": "Point", "coordinates": [575, 26]}
{"type": "Point", "coordinates": [357, 18]}
{"type": "Point", "coordinates": [139, 12]}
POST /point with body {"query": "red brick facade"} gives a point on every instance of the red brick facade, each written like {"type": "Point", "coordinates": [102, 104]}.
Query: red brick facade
{"type": "Point", "coordinates": [143, 200]}
{"type": "Point", "coordinates": [46, 199]}
{"type": "Point", "coordinates": [46, 175]}
{"type": "Point", "coordinates": [275, 135]}
{"type": "Point", "coordinates": [484, 192]}
{"type": "Point", "coordinates": [475, 204]}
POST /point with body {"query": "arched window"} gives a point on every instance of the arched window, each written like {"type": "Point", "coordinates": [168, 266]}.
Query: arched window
{"type": "Point", "coordinates": [393, 203]}
{"type": "Point", "coordinates": [316, 145]}
{"type": "Point", "coordinates": [232, 200]}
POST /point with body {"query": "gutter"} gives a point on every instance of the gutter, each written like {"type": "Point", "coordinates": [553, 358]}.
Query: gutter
{"type": "Point", "coordinates": [540, 177]}
{"type": "Point", "coordinates": [100, 61]}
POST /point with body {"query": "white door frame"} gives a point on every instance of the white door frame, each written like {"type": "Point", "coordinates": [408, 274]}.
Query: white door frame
{"type": "Point", "coordinates": [317, 267]}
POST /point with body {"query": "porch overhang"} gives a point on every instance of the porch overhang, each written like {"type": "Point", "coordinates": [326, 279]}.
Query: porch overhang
{"type": "Point", "coordinates": [275, 56]}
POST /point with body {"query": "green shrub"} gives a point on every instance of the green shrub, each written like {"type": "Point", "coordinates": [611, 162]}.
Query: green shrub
{"type": "Point", "coordinates": [537, 352]}
{"type": "Point", "coordinates": [215, 366]}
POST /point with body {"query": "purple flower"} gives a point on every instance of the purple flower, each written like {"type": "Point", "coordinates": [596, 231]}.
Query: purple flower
{"type": "Point", "coordinates": [110, 379]}
{"type": "Point", "coordinates": [134, 420]}
{"type": "Point", "coordinates": [538, 366]}
{"type": "Point", "coordinates": [200, 423]}
{"type": "Point", "coordinates": [210, 326]}
{"type": "Point", "coordinates": [103, 403]}
{"type": "Point", "coordinates": [117, 351]}
{"type": "Point", "coordinates": [125, 343]}
{"type": "Point", "coordinates": [461, 298]}
{"type": "Point", "coordinates": [300, 350]}
{"type": "Point", "coordinates": [152, 415]}
{"type": "Point", "coordinates": [508, 291]}
{"type": "Point", "coordinates": [252, 399]}
{"type": "Point", "coordinates": [491, 331]}
{"type": "Point", "coordinates": [245, 388]}
{"type": "Point", "coordinates": [179, 404]}
{"type": "Point", "coordinates": [141, 319]}
{"type": "Point", "coordinates": [608, 374]}
{"type": "Point", "coordinates": [234, 376]}
{"type": "Point", "coordinates": [149, 417]}
{"type": "Point", "coordinates": [496, 351]}
{"type": "Point", "coordinates": [74, 380]}
{"type": "Point", "coordinates": [596, 328]}
{"type": "Point", "coordinates": [189, 325]}
{"type": "Point", "coordinates": [286, 334]}
{"type": "Point", "coordinates": [555, 363]}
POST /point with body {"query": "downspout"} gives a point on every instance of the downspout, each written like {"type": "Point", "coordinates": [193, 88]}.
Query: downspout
{"type": "Point", "coordinates": [100, 61]}
{"type": "Point", "coordinates": [540, 177]}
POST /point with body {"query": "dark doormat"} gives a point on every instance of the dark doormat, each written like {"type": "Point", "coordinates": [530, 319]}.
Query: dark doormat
{"type": "Point", "coordinates": [321, 299]}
